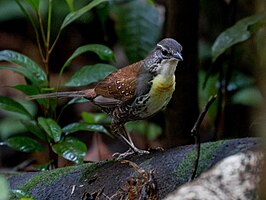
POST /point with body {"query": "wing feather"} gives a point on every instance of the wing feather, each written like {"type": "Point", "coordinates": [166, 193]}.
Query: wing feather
{"type": "Point", "coordinates": [118, 87]}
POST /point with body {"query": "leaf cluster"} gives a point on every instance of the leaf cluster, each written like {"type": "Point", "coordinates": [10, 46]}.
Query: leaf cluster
{"type": "Point", "coordinates": [44, 130]}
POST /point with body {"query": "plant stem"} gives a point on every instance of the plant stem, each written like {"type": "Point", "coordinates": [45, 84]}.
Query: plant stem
{"type": "Point", "coordinates": [195, 132]}
{"type": "Point", "coordinates": [48, 37]}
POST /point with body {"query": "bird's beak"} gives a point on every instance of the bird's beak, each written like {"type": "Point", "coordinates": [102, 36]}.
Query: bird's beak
{"type": "Point", "coordinates": [178, 56]}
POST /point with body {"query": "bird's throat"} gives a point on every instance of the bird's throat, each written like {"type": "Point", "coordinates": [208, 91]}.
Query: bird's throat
{"type": "Point", "coordinates": [167, 67]}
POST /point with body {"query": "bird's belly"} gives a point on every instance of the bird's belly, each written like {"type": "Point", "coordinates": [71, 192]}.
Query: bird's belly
{"type": "Point", "coordinates": [159, 95]}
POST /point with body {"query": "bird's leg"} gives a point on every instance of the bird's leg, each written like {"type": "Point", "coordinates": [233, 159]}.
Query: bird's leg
{"type": "Point", "coordinates": [120, 132]}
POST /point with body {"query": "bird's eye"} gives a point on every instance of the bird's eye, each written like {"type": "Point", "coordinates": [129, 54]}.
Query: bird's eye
{"type": "Point", "coordinates": [164, 52]}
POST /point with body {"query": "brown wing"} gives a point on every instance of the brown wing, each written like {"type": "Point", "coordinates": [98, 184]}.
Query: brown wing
{"type": "Point", "coordinates": [121, 84]}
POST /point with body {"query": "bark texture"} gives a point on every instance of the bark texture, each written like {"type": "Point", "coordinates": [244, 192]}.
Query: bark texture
{"type": "Point", "coordinates": [171, 169]}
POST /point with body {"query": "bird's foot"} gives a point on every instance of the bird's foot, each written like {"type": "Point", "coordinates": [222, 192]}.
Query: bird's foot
{"type": "Point", "coordinates": [154, 149]}
{"type": "Point", "coordinates": [120, 156]}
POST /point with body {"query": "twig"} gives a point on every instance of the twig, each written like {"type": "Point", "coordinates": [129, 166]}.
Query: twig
{"type": "Point", "coordinates": [195, 133]}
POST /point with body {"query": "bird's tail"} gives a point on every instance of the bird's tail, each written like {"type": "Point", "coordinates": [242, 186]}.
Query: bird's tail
{"type": "Point", "coordinates": [90, 94]}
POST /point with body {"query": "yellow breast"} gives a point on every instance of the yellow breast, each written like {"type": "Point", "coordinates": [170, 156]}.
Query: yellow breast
{"type": "Point", "coordinates": [160, 93]}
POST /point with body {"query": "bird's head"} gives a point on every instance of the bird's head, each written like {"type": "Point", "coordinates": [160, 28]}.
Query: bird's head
{"type": "Point", "coordinates": [164, 57]}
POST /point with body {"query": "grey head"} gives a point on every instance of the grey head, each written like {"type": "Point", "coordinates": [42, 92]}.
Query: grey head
{"type": "Point", "coordinates": [166, 49]}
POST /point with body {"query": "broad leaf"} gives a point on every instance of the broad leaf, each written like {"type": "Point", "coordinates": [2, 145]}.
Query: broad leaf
{"type": "Point", "coordinates": [33, 127]}
{"type": "Point", "coordinates": [33, 20]}
{"type": "Point", "coordinates": [76, 14]}
{"type": "Point", "coordinates": [138, 25]}
{"type": "Point", "coordinates": [27, 89]}
{"type": "Point", "coordinates": [84, 126]}
{"type": "Point", "coordinates": [11, 105]}
{"type": "Point", "coordinates": [33, 3]}
{"type": "Point", "coordinates": [250, 96]}
{"type": "Point", "coordinates": [26, 67]}
{"type": "Point", "coordinates": [90, 74]}
{"type": "Point", "coordinates": [30, 90]}
{"type": "Point", "coordinates": [102, 51]}
{"type": "Point", "coordinates": [239, 32]}
{"type": "Point", "coordinates": [51, 128]}
{"type": "Point", "coordinates": [71, 149]}
{"type": "Point", "coordinates": [24, 144]}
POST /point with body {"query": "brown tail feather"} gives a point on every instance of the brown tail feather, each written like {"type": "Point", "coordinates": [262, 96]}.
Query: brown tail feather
{"type": "Point", "coordinates": [90, 94]}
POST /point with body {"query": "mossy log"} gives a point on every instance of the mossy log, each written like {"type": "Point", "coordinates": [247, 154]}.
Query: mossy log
{"type": "Point", "coordinates": [171, 168]}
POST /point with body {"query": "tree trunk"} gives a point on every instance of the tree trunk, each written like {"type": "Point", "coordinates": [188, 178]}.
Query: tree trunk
{"type": "Point", "coordinates": [181, 113]}
{"type": "Point", "coordinates": [169, 170]}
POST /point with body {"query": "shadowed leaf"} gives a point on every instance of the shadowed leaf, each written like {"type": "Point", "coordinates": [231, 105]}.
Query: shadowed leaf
{"type": "Point", "coordinates": [76, 14]}
{"type": "Point", "coordinates": [239, 32]}
{"type": "Point", "coordinates": [84, 126]}
{"type": "Point", "coordinates": [33, 127]}
{"type": "Point", "coordinates": [138, 25]}
{"type": "Point", "coordinates": [24, 144]}
{"type": "Point", "coordinates": [25, 66]}
{"type": "Point", "coordinates": [51, 128]}
{"type": "Point", "coordinates": [71, 149]}
{"type": "Point", "coordinates": [102, 51]}
{"type": "Point", "coordinates": [33, 3]}
{"type": "Point", "coordinates": [11, 105]}
{"type": "Point", "coordinates": [90, 74]}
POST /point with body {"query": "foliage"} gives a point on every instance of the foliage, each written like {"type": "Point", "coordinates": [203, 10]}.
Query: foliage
{"type": "Point", "coordinates": [149, 130]}
{"type": "Point", "coordinates": [138, 25]}
{"type": "Point", "coordinates": [45, 129]}
{"type": "Point", "coordinates": [240, 32]}
{"type": "Point", "coordinates": [232, 85]}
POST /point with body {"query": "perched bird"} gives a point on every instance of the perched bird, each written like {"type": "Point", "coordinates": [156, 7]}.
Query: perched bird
{"type": "Point", "coordinates": [136, 91]}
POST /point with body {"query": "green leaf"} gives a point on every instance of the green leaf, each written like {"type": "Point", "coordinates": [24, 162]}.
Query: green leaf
{"type": "Point", "coordinates": [24, 144]}
{"type": "Point", "coordinates": [51, 128]}
{"type": "Point", "coordinates": [239, 32]}
{"type": "Point", "coordinates": [33, 127]}
{"type": "Point", "coordinates": [93, 118]}
{"type": "Point", "coordinates": [71, 149]}
{"type": "Point", "coordinates": [84, 126]}
{"type": "Point", "coordinates": [11, 105]}
{"type": "Point", "coordinates": [26, 67]}
{"type": "Point", "coordinates": [78, 100]}
{"type": "Point", "coordinates": [30, 90]}
{"type": "Point", "coordinates": [70, 4]}
{"type": "Point", "coordinates": [27, 89]}
{"type": "Point", "coordinates": [102, 51]}
{"type": "Point", "coordinates": [9, 12]}
{"type": "Point", "coordinates": [250, 96]}
{"type": "Point", "coordinates": [33, 3]}
{"type": "Point", "coordinates": [138, 25]}
{"type": "Point", "coordinates": [76, 14]}
{"type": "Point", "coordinates": [32, 19]}
{"type": "Point", "coordinates": [4, 188]}
{"type": "Point", "coordinates": [90, 74]}
{"type": "Point", "coordinates": [148, 130]}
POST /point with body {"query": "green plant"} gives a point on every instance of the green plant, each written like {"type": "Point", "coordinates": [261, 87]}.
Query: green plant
{"type": "Point", "coordinates": [224, 79]}
{"type": "Point", "coordinates": [44, 129]}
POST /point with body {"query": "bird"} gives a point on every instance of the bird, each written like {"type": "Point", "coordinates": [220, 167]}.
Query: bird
{"type": "Point", "coordinates": [134, 92]}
